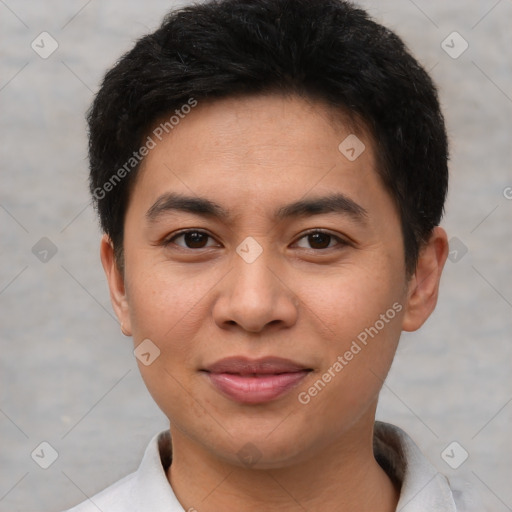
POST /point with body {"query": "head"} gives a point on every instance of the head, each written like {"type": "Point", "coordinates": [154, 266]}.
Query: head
{"type": "Point", "coordinates": [270, 176]}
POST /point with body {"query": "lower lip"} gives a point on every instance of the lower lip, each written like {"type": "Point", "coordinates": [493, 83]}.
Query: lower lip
{"type": "Point", "coordinates": [255, 390]}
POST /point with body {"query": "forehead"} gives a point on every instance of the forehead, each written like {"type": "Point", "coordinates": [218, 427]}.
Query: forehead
{"type": "Point", "coordinates": [255, 151]}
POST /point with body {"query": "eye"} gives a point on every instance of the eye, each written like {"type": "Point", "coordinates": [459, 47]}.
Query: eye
{"type": "Point", "coordinates": [192, 239]}
{"type": "Point", "coordinates": [321, 240]}
{"type": "Point", "coordinates": [196, 239]}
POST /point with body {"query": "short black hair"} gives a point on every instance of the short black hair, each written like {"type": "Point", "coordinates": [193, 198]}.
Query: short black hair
{"type": "Point", "coordinates": [328, 50]}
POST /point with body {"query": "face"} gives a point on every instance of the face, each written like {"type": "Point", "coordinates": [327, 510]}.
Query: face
{"type": "Point", "coordinates": [287, 256]}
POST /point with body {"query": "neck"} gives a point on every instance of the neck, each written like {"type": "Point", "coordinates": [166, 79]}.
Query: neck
{"type": "Point", "coordinates": [344, 477]}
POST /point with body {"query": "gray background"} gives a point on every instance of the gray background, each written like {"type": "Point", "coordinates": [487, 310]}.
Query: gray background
{"type": "Point", "coordinates": [68, 376]}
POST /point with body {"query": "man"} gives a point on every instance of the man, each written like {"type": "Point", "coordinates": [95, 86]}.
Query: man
{"type": "Point", "coordinates": [270, 176]}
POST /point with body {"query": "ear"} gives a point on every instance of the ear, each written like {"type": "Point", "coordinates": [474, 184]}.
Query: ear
{"type": "Point", "coordinates": [423, 286]}
{"type": "Point", "coordinates": [116, 284]}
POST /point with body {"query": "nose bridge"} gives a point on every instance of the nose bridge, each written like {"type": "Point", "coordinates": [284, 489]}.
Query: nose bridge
{"type": "Point", "coordinates": [255, 296]}
{"type": "Point", "coordinates": [253, 272]}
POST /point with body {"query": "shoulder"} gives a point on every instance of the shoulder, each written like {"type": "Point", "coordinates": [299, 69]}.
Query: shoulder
{"type": "Point", "coordinates": [115, 498]}
{"type": "Point", "coordinates": [465, 495]}
{"type": "Point", "coordinates": [423, 487]}
{"type": "Point", "coordinates": [144, 489]}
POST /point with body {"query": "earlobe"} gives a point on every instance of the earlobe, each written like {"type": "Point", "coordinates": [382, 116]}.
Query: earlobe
{"type": "Point", "coordinates": [116, 285]}
{"type": "Point", "coordinates": [424, 284]}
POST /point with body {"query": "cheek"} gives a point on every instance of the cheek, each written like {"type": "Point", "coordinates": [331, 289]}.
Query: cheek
{"type": "Point", "coordinates": [358, 315]}
{"type": "Point", "coordinates": [165, 303]}
{"type": "Point", "coordinates": [349, 300]}
{"type": "Point", "coordinates": [362, 322]}
{"type": "Point", "coordinates": [171, 307]}
{"type": "Point", "coordinates": [166, 308]}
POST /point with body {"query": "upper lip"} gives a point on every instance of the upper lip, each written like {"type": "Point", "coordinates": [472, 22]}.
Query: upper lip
{"type": "Point", "coordinates": [245, 366]}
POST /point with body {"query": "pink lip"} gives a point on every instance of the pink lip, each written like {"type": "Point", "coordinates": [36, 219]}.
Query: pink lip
{"type": "Point", "coordinates": [255, 381]}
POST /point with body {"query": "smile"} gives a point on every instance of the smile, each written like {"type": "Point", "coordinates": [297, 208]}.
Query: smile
{"type": "Point", "coordinates": [255, 381]}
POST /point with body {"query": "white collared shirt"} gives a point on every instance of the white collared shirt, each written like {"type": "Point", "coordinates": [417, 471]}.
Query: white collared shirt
{"type": "Point", "coordinates": [423, 488]}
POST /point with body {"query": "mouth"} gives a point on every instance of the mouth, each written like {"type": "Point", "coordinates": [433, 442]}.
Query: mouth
{"type": "Point", "coordinates": [255, 381]}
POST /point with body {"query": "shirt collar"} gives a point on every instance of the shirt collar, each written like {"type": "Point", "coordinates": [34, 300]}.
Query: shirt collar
{"type": "Point", "coordinates": [150, 480]}
{"type": "Point", "coordinates": [423, 488]}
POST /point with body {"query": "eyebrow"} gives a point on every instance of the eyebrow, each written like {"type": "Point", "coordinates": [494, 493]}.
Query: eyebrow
{"type": "Point", "coordinates": [333, 203]}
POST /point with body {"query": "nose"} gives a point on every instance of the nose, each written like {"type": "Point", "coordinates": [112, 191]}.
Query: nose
{"type": "Point", "coordinates": [255, 297]}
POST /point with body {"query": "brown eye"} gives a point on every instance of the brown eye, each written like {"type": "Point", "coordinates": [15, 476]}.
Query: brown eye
{"type": "Point", "coordinates": [192, 239]}
{"type": "Point", "coordinates": [320, 240]}
{"type": "Point", "coordinates": [195, 239]}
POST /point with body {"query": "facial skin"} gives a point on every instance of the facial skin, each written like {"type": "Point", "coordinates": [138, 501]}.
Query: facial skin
{"type": "Point", "coordinates": [298, 300]}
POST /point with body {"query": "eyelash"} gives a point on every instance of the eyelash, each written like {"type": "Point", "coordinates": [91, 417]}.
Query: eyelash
{"type": "Point", "coordinates": [340, 242]}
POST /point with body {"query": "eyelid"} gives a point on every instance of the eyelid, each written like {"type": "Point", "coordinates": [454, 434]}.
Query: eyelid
{"type": "Point", "coordinates": [341, 241]}
{"type": "Point", "coordinates": [169, 239]}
